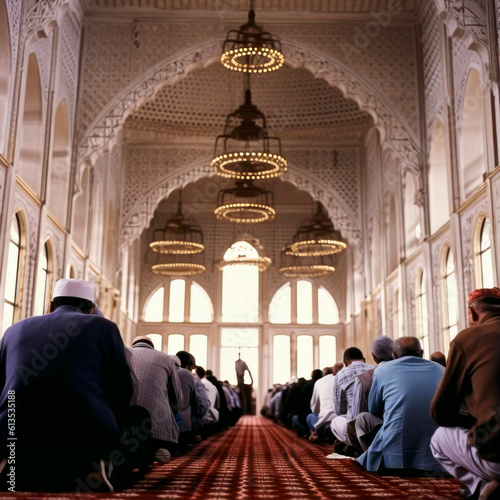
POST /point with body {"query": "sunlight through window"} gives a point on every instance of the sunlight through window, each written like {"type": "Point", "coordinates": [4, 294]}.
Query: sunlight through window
{"type": "Point", "coordinates": [175, 343]}
{"type": "Point", "coordinates": [198, 348]}
{"type": "Point", "coordinates": [327, 351]}
{"type": "Point", "coordinates": [281, 359]}
{"type": "Point", "coordinates": [176, 305]}
{"type": "Point", "coordinates": [304, 302]}
{"type": "Point", "coordinates": [304, 356]}
{"type": "Point", "coordinates": [154, 308]}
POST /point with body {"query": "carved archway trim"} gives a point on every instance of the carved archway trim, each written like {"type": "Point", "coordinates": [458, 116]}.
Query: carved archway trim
{"type": "Point", "coordinates": [142, 213]}
{"type": "Point", "coordinates": [100, 134]}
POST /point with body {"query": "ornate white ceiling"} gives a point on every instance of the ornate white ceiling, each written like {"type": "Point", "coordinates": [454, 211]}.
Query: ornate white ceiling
{"type": "Point", "coordinates": [296, 105]}
{"type": "Point", "coordinates": [225, 6]}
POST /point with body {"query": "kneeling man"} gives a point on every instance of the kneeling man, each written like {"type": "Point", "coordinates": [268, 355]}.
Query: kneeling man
{"type": "Point", "coordinates": [400, 396]}
{"type": "Point", "coordinates": [468, 443]}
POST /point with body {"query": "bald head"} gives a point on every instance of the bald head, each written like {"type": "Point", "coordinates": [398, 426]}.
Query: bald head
{"type": "Point", "coordinates": [438, 357]}
{"type": "Point", "coordinates": [407, 346]}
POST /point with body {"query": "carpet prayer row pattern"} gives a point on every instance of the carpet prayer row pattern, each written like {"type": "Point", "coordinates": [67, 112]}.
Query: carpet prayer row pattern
{"type": "Point", "coordinates": [257, 459]}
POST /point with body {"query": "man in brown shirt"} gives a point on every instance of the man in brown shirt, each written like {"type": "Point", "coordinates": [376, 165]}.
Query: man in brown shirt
{"type": "Point", "coordinates": [467, 402]}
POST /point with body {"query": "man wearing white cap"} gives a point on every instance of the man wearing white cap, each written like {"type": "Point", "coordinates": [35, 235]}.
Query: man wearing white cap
{"type": "Point", "coordinates": [65, 382]}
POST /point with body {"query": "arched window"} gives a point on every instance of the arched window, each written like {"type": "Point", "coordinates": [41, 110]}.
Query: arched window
{"type": "Point", "coordinates": [422, 318]}
{"type": "Point", "coordinates": [304, 302]}
{"type": "Point", "coordinates": [327, 351]}
{"type": "Point", "coordinates": [484, 263]}
{"type": "Point", "coordinates": [328, 312]}
{"type": "Point", "coordinates": [13, 275]}
{"type": "Point", "coordinates": [450, 325]}
{"type": "Point", "coordinates": [472, 131]}
{"type": "Point", "coordinates": [175, 343]}
{"type": "Point", "coordinates": [304, 356]}
{"type": "Point", "coordinates": [43, 280]}
{"type": "Point", "coordinates": [200, 310]}
{"type": "Point", "coordinates": [176, 301]}
{"type": "Point", "coordinates": [280, 309]}
{"type": "Point", "coordinates": [306, 298]}
{"type": "Point", "coordinates": [281, 359]}
{"type": "Point", "coordinates": [181, 294]}
{"type": "Point", "coordinates": [154, 306]}
{"type": "Point", "coordinates": [198, 347]}
{"type": "Point", "coordinates": [240, 285]}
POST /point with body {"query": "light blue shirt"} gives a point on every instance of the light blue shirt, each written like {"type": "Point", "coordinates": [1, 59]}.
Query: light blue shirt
{"type": "Point", "coordinates": [401, 395]}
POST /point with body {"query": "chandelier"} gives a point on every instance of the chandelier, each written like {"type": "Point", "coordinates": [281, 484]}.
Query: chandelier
{"type": "Point", "coordinates": [182, 243]}
{"type": "Point", "coordinates": [250, 49]}
{"type": "Point", "coordinates": [245, 150]}
{"type": "Point", "coordinates": [178, 236]}
{"type": "Point", "coordinates": [178, 268]}
{"type": "Point", "coordinates": [317, 237]}
{"type": "Point", "coordinates": [245, 203]}
{"type": "Point", "coordinates": [294, 266]}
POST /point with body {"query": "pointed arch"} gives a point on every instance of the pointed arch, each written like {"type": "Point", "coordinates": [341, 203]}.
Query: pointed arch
{"type": "Point", "coordinates": [59, 166]}
{"type": "Point", "coordinates": [472, 148]}
{"type": "Point", "coordinates": [5, 75]}
{"type": "Point", "coordinates": [439, 205]}
{"type": "Point", "coordinates": [30, 132]}
{"type": "Point", "coordinates": [102, 132]}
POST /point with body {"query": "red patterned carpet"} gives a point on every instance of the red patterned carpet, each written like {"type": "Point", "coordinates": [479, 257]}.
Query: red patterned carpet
{"type": "Point", "coordinates": [257, 459]}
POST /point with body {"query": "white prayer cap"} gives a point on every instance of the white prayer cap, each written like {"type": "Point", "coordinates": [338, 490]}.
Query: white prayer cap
{"type": "Point", "coordinates": [79, 289]}
{"type": "Point", "coordinates": [382, 346]}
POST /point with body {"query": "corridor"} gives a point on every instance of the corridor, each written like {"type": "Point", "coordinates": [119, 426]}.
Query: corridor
{"type": "Point", "coordinates": [259, 459]}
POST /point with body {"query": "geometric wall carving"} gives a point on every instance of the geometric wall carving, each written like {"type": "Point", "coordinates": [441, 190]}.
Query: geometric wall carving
{"type": "Point", "coordinates": [390, 98]}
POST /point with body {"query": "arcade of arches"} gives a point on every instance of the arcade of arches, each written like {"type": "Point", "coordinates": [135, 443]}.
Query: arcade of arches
{"type": "Point", "coordinates": [388, 113]}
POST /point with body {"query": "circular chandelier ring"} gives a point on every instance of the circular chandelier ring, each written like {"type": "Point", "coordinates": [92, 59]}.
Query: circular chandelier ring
{"type": "Point", "coordinates": [249, 213]}
{"type": "Point", "coordinates": [176, 247]}
{"type": "Point", "coordinates": [178, 269]}
{"type": "Point", "coordinates": [316, 248]}
{"type": "Point", "coordinates": [272, 165]}
{"type": "Point", "coordinates": [241, 59]}
{"type": "Point", "coordinates": [310, 271]}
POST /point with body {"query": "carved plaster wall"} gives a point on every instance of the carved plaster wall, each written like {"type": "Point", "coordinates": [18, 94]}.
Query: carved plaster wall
{"type": "Point", "coordinates": [112, 89]}
{"type": "Point", "coordinates": [468, 223]}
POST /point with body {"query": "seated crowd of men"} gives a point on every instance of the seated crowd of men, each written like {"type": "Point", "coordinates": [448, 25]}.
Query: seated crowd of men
{"type": "Point", "coordinates": [80, 411]}
{"type": "Point", "coordinates": [409, 415]}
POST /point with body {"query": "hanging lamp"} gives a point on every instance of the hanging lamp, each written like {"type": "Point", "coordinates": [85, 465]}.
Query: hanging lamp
{"type": "Point", "coordinates": [317, 237]}
{"type": "Point", "coordinates": [178, 236]}
{"type": "Point", "coordinates": [245, 203]}
{"type": "Point", "coordinates": [245, 150]}
{"type": "Point", "coordinates": [250, 49]}
{"type": "Point", "coordinates": [294, 266]}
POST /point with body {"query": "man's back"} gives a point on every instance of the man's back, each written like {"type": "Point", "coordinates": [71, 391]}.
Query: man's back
{"type": "Point", "coordinates": [344, 382]}
{"type": "Point", "coordinates": [401, 393]}
{"type": "Point", "coordinates": [474, 373]}
{"type": "Point", "coordinates": [71, 382]}
{"type": "Point", "coordinates": [155, 371]}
